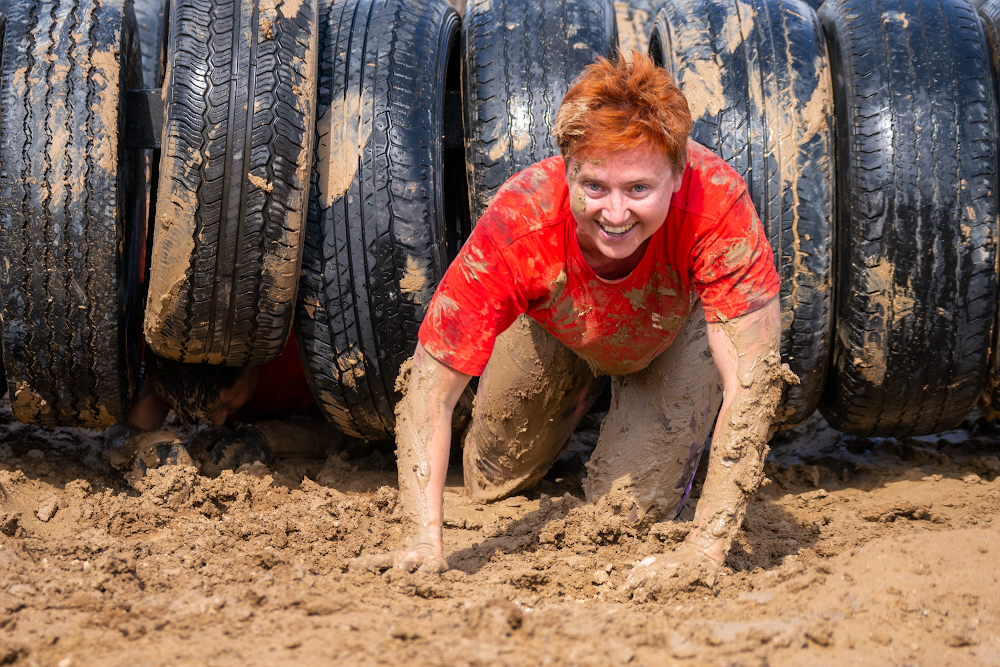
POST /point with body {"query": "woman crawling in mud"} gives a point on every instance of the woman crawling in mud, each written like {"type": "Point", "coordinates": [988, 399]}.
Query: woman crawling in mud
{"type": "Point", "coordinates": [636, 254]}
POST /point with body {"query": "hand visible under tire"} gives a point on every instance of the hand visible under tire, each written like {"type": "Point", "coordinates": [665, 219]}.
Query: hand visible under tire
{"type": "Point", "coordinates": [420, 559]}
{"type": "Point", "coordinates": [680, 569]}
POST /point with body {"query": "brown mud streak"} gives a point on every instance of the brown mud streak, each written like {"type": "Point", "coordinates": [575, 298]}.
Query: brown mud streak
{"type": "Point", "coordinates": [739, 444]}
{"type": "Point", "coordinates": [893, 303]}
{"type": "Point", "coordinates": [344, 130]}
{"type": "Point", "coordinates": [174, 243]}
{"type": "Point", "coordinates": [415, 281]}
{"type": "Point", "coordinates": [631, 29]}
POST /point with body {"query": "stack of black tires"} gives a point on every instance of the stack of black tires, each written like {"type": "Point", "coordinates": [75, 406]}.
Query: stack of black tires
{"type": "Point", "coordinates": [193, 177]}
{"type": "Point", "coordinates": [200, 178]}
{"type": "Point", "coordinates": [866, 135]}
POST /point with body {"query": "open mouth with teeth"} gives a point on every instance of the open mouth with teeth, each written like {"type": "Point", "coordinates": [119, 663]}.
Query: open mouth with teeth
{"type": "Point", "coordinates": [616, 231]}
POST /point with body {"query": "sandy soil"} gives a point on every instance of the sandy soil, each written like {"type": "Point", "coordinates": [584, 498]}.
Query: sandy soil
{"type": "Point", "coordinates": [869, 552]}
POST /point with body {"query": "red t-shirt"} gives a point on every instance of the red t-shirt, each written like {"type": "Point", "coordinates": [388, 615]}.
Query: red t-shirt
{"type": "Point", "coordinates": [282, 389]}
{"type": "Point", "coordinates": [524, 257]}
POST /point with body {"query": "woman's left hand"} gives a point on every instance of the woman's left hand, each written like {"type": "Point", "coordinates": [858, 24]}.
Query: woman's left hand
{"type": "Point", "coordinates": [421, 558]}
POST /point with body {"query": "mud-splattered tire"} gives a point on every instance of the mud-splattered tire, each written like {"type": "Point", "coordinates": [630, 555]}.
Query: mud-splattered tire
{"type": "Point", "coordinates": [634, 20]}
{"type": "Point", "coordinates": [520, 57]}
{"type": "Point", "coordinates": [989, 397]}
{"type": "Point", "coordinates": [151, 18]}
{"type": "Point", "coordinates": [757, 79]}
{"type": "Point", "coordinates": [916, 117]}
{"type": "Point", "coordinates": [234, 179]}
{"type": "Point", "coordinates": [3, 371]}
{"type": "Point", "coordinates": [379, 214]}
{"type": "Point", "coordinates": [72, 222]}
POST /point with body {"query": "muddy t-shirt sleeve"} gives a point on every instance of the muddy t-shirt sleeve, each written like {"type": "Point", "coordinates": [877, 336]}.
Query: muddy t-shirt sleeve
{"type": "Point", "coordinates": [732, 263]}
{"type": "Point", "coordinates": [477, 300]}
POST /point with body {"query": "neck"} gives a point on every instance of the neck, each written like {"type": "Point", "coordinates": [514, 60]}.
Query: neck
{"type": "Point", "coordinates": [610, 268]}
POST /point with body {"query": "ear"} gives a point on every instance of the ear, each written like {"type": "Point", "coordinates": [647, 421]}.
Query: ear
{"type": "Point", "coordinates": [679, 181]}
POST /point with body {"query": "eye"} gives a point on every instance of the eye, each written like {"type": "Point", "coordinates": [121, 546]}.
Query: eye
{"type": "Point", "coordinates": [639, 188]}
{"type": "Point", "coordinates": [593, 187]}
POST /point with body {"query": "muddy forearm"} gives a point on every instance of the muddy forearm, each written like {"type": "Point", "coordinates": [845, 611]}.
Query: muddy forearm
{"type": "Point", "coordinates": [423, 443]}
{"type": "Point", "coordinates": [746, 351]}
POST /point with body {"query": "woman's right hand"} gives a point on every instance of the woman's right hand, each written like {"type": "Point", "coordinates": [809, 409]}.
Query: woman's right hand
{"type": "Point", "coordinates": [423, 442]}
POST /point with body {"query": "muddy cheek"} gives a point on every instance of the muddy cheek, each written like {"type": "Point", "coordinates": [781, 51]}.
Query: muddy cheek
{"type": "Point", "coordinates": [578, 204]}
{"type": "Point", "coordinates": [571, 174]}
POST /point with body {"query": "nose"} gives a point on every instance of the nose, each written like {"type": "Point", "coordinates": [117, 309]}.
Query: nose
{"type": "Point", "coordinates": [615, 211]}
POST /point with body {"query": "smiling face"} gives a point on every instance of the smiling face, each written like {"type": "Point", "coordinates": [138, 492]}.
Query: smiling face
{"type": "Point", "coordinates": [619, 200]}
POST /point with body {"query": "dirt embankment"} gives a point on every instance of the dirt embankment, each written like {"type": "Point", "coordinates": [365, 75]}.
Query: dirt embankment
{"type": "Point", "coordinates": [858, 552]}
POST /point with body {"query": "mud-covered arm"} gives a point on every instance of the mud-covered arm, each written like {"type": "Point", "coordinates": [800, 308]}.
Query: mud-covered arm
{"type": "Point", "coordinates": [745, 350]}
{"type": "Point", "coordinates": [423, 443]}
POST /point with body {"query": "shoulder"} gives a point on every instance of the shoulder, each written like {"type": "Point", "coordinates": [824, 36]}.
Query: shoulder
{"type": "Point", "coordinates": [710, 186]}
{"type": "Point", "coordinates": [543, 178]}
{"type": "Point", "coordinates": [532, 200]}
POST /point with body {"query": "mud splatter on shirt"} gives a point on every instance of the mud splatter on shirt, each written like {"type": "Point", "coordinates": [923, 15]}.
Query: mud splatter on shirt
{"type": "Point", "coordinates": [524, 257]}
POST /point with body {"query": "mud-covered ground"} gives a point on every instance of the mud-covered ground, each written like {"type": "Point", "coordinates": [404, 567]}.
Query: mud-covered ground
{"type": "Point", "coordinates": [857, 552]}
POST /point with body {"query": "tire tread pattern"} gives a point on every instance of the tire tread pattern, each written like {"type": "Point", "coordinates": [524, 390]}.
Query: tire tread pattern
{"type": "Point", "coordinates": [151, 17]}
{"type": "Point", "coordinates": [375, 245]}
{"type": "Point", "coordinates": [233, 189]}
{"type": "Point", "coordinates": [72, 224]}
{"type": "Point", "coordinates": [917, 122]}
{"type": "Point", "coordinates": [989, 397]}
{"type": "Point", "coordinates": [758, 79]}
{"type": "Point", "coordinates": [520, 57]}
